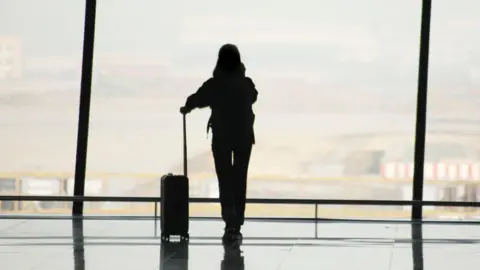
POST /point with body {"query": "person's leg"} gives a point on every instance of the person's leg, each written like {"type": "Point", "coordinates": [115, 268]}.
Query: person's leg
{"type": "Point", "coordinates": [241, 160]}
{"type": "Point", "coordinates": [222, 156]}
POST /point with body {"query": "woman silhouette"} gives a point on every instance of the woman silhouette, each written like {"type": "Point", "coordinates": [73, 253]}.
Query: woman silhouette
{"type": "Point", "coordinates": [230, 95]}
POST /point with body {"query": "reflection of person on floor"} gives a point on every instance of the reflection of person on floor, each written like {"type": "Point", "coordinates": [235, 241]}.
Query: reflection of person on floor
{"type": "Point", "coordinates": [230, 95]}
{"type": "Point", "coordinates": [232, 258]}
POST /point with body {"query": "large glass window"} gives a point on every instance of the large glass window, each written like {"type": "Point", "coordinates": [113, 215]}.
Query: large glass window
{"type": "Point", "coordinates": [40, 70]}
{"type": "Point", "coordinates": [336, 109]}
{"type": "Point", "coordinates": [452, 162]}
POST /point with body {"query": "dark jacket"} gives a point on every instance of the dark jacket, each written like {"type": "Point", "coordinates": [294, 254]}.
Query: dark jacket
{"type": "Point", "coordinates": [230, 95]}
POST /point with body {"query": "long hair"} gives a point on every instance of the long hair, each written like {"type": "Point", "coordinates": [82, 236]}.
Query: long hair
{"type": "Point", "coordinates": [229, 60]}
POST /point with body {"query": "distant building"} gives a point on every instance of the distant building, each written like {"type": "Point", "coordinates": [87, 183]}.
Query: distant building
{"type": "Point", "coordinates": [10, 58]}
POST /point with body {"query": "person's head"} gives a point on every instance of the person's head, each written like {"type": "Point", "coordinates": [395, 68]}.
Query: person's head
{"type": "Point", "coordinates": [229, 58]}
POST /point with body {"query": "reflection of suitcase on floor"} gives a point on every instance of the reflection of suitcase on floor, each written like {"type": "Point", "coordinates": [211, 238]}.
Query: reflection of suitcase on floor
{"type": "Point", "coordinates": [174, 193]}
{"type": "Point", "coordinates": [174, 256]}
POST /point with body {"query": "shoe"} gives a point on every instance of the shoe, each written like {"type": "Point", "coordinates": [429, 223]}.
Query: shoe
{"type": "Point", "coordinates": [238, 235]}
{"type": "Point", "coordinates": [229, 234]}
{"type": "Point", "coordinates": [237, 231]}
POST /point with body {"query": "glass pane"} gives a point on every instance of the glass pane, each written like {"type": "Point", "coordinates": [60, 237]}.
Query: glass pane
{"type": "Point", "coordinates": [40, 70]}
{"type": "Point", "coordinates": [452, 169]}
{"type": "Point", "coordinates": [336, 108]}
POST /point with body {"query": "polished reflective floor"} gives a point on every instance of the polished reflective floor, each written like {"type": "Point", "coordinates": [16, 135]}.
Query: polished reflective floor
{"type": "Point", "coordinates": [134, 243]}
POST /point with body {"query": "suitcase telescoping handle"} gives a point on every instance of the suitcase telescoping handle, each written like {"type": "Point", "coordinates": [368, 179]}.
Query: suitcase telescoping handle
{"type": "Point", "coordinates": [185, 168]}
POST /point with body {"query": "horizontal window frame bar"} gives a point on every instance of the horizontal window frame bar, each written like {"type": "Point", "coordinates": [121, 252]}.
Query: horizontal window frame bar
{"type": "Point", "coordinates": [249, 201]}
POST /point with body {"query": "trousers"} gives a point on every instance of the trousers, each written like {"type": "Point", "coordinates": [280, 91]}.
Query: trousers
{"type": "Point", "coordinates": [231, 166]}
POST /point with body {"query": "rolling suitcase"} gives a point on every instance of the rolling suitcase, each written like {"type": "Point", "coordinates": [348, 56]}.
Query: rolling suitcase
{"type": "Point", "coordinates": [174, 200]}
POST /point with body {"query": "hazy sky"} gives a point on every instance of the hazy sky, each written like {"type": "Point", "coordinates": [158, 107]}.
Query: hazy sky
{"type": "Point", "coordinates": [356, 45]}
{"type": "Point", "coordinates": [366, 40]}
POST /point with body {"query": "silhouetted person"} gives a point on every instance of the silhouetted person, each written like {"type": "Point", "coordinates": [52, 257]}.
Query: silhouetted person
{"type": "Point", "coordinates": [230, 95]}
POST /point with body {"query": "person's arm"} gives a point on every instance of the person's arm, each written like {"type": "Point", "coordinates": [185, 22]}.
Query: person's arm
{"type": "Point", "coordinates": [254, 92]}
{"type": "Point", "coordinates": [201, 98]}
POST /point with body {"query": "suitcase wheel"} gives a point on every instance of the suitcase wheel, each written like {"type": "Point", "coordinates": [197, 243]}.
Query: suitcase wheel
{"type": "Point", "coordinates": [185, 238]}
{"type": "Point", "coordinates": [165, 238]}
